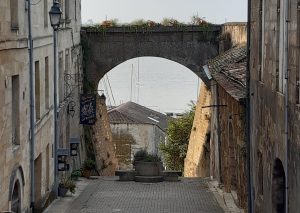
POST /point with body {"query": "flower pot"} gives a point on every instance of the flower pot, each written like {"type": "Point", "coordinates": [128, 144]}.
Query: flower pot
{"type": "Point", "coordinates": [86, 173]}
{"type": "Point", "coordinates": [148, 168]}
{"type": "Point", "coordinates": [62, 191]}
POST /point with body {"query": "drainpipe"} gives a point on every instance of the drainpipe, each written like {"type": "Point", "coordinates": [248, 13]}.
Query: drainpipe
{"type": "Point", "coordinates": [218, 133]}
{"type": "Point", "coordinates": [286, 100]}
{"type": "Point", "coordinates": [248, 131]}
{"type": "Point", "coordinates": [32, 109]}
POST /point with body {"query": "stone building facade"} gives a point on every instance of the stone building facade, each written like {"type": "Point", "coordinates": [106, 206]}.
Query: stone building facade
{"type": "Point", "coordinates": [228, 134]}
{"type": "Point", "coordinates": [135, 127]}
{"type": "Point", "coordinates": [217, 143]}
{"type": "Point", "coordinates": [14, 98]}
{"type": "Point", "coordinates": [274, 104]}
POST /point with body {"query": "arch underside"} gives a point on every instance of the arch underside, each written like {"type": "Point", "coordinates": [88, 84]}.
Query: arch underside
{"type": "Point", "coordinates": [106, 51]}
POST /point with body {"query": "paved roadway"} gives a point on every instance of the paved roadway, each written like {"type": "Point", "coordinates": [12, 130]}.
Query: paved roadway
{"type": "Point", "coordinates": [106, 195]}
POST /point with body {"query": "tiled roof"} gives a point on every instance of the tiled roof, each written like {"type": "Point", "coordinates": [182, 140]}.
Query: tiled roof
{"type": "Point", "coordinates": [131, 112]}
{"type": "Point", "coordinates": [229, 71]}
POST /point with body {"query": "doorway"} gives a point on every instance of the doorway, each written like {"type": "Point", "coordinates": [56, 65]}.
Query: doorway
{"type": "Point", "coordinates": [278, 187]}
{"type": "Point", "coordinates": [16, 198]}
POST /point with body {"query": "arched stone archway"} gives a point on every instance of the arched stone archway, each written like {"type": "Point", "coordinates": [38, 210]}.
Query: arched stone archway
{"type": "Point", "coordinates": [190, 46]}
{"type": "Point", "coordinates": [278, 187]}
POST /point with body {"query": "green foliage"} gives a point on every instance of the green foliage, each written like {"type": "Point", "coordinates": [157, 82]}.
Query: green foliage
{"type": "Point", "coordinates": [110, 23]}
{"type": "Point", "coordinates": [89, 164]}
{"type": "Point", "coordinates": [68, 184]}
{"type": "Point", "coordinates": [139, 22]}
{"type": "Point", "coordinates": [178, 134]}
{"type": "Point", "coordinates": [143, 155]}
{"type": "Point", "coordinates": [75, 174]}
{"type": "Point", "coordinates": [196, 20]}
{"type": "Point", "coordinates": [171, 22]}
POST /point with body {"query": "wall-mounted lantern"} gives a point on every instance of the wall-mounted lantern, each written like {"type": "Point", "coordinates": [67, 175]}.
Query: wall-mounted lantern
{"type": "Point", "coordinates": [74, 144]}
{"type": "Point", "coordinates": [62, 156]}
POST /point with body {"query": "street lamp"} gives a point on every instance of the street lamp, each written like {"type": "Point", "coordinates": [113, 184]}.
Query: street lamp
{"type": "Point", "coordinates": [55, 16]}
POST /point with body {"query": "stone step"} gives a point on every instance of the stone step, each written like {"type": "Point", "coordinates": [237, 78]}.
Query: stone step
{"type": "Point", "coordinates": [126, 175]}
{"type": "Point", "coordinates": [149, 179]}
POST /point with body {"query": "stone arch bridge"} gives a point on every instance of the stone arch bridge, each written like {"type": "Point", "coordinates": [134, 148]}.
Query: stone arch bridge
{"type": "Point", "coordinates": [190, 46]}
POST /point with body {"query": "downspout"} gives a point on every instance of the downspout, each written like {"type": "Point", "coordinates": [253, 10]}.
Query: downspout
{"type": "Point", "coordinates": [286, 100]}
{"type": "Point", "coordinates": [248, 131]}
{"type": "Point", "coordinates": [32, 109]}
{"type": "Point", "coordinates": [218, 133]}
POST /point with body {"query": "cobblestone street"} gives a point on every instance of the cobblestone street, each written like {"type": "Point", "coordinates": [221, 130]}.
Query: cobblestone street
{"type": "Point", "coordinates": [106, 195]}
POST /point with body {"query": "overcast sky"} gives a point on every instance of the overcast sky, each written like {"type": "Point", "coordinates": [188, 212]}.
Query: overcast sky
{"type": "Point", "coordinates": [215, 11]}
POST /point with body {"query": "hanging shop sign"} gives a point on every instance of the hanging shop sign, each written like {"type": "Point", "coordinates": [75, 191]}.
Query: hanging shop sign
{"type": "Point", "coordinates": [87, 109]}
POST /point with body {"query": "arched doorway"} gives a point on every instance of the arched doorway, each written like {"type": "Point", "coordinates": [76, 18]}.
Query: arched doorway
{"type": "Point", "coordinates": [278, 187]}
{"type": "Point", "coordinates": [16, 198]}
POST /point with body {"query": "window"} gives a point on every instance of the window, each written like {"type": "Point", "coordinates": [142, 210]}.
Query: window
{"type": "Point", "coordinates": [261, 39]}
{"type": "Point", "coordinates": [75, 10]}
{"type": "Point", "coordinates": [260, 173]}
{"type": "Point", "coordinates": [47, 83]}
{"type": "Point", "coordinates": [37, 91]}
{"type": "Point", "coordinates": [14, 18]}
{"type": "Point", "coordinates": [61, 77]}
{"type": "Point", "coordinates": [67, 73]}
{"type": "Point", "coordinates": [279, 71]}
{"type": "Point", "coordinates": [46, 13]}
{"type": "Point", "coordinates": [298, 71]}
{"type": "Point", "coordinates": [67, 9]}
{"type": "Point", "coordinates": [15, 114]}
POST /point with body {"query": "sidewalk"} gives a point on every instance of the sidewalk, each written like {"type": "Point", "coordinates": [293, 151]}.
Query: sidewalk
{"type": "Point", "coordinates": [225, 200]}
{"type": "Point", "coordinates": [62, 204]}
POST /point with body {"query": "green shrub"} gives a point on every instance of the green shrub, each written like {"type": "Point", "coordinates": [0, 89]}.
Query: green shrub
{"type": "Point", "coordinates": [89, 164]}
{"type": "Point", "coordinates": [143, 155]}
{"type": "Point", "coordinates": [68, 184]}
{"type": "Point", "coordinates": [75, 174]}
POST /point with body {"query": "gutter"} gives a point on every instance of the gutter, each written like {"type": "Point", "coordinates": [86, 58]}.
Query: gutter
{"type": "Point", "coordinates": [286, 100]}
{"type": "Point", "coordinates": [32, 110]}
{"type": "Point", "coordinates": [248, 122]}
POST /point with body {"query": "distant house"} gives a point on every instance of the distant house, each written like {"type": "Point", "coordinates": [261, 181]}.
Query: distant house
{"type": "Point", "coordinates": [135, 127]}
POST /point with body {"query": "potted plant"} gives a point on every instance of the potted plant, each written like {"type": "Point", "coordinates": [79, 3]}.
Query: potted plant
{"type": "Point", "coordinates": [75, 174]}
{"type": "Point", "coordinates": [65, 185]}
{"type": "Point", "coordinates": [147, 164]}
{"type": "Point", "coordinates": [87, 167]}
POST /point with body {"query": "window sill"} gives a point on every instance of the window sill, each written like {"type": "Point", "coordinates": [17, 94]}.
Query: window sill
{"type": "Point", "coordinates": [14, 29]}
{"type": "Point", "coordinates": [15, 147]}
{"type": "Point", "coordinates": [280, 93]}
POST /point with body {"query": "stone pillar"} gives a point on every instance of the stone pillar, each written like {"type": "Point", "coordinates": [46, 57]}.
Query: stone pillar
{"type": "Point", "coordinates": [106, 161]}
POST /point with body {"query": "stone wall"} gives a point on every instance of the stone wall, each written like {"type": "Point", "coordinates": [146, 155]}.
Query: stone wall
{"type": "Point", "coordinates": [130, 138]}
{"type": "Point", "coordinates": [233, 33]}
{"type": "Point", "coordinates": [197, 160]}
{"type": "Point", "coordinates": [268, 119]}
{"type": "Point", "coordinates": [228, 136]}
{"type": "Point", "coordinates": [105, 155]}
